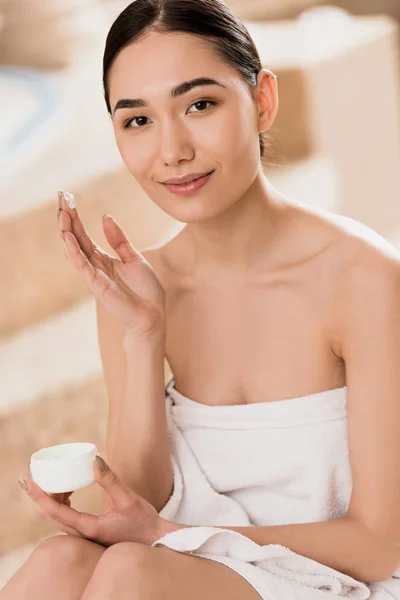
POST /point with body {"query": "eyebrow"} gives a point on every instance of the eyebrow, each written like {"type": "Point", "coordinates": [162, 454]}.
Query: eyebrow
{"type": "Point", "coordinates": [179, 90]}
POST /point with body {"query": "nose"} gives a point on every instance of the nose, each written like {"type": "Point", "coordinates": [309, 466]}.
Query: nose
{"type": "Point", "coordinates": [175, 143]}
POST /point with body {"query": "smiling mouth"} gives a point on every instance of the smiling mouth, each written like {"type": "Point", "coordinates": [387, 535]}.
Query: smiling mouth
{"type": "Point", "coordinates": [187, 182]}
{"type": "Point", "coordinates": [191, 181]}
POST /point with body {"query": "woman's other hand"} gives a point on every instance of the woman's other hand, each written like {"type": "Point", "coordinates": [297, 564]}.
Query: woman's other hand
{"type": "Point", "coordinates": [129, 518]}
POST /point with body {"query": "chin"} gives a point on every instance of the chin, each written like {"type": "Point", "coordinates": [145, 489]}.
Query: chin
{"type": "Point", "coordinates": [195, 210]}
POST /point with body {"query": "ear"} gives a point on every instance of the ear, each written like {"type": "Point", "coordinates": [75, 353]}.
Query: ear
{"type": "Point", "coordinates": [268, 100]}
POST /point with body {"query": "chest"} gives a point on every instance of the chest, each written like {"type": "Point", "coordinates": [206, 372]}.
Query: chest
{"type": "Point", "coordinates": [245, 344]}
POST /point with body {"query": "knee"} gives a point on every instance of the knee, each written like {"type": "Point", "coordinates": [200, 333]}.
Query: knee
{"type": "Point", "coordinates": [67, 551]}
{"type": "Point", "coordinates": [125, 555]}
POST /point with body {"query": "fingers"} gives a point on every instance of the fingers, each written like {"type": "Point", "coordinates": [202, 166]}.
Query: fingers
{"type": "Point", "coordinates": [78, 258]}
{"type": "Point", "coordinates": [57, 524]}
{"type": "Point", "coordinates": [58, 497]}
{"type": "Point", "coordinates": [62, 498]}
{"type": "Point", "coordinates": [67, 519]}
{"type": "Point", "coordinates": [118, 241]}
{"type": "Point", "coordinates": [43, 513]}
{"type": "Point", "coordinates": [65, 498]}
{"type": "Point", "coordinates": [69, 220]}
{"type": "Point", "coordinates": [96, 278]}
{"type": "Point", "coordinates": [111, 483]}
{"type": "Point", "coordinates": [73, 223]}
{"type": "Point", "coordinates": [97, 281]}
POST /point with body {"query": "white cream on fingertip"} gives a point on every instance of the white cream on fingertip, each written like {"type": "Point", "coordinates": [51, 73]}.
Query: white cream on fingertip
{"type": "Point", "coordinates": [70, 199]}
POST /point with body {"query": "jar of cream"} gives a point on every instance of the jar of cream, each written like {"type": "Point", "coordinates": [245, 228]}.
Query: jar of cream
{"type": "Point", "coordinates": [64, 468]}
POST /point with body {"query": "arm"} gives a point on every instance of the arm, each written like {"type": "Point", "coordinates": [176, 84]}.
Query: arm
{"type": "Point", "coordinates": [342, 544]}
{"type": "Point", "coordinates": [137, 443]}
{"type": "Point", "coordinates": [365, 322]}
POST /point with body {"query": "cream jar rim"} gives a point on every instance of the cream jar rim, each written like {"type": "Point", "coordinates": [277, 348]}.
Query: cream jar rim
{"type": "Point", "coordinates": [46, 455]}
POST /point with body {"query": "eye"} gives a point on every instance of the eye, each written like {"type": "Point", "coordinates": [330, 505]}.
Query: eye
{"type": "Point", "coordinates": [127, 124]}
{"type": "Point", "coordinates": [204, 102]}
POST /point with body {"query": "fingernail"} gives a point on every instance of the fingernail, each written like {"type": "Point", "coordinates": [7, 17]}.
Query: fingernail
{"type": "Point", "coordinates": [69, 199]}
{"type": "Point", "coordinates": [107, 217]}
{"type": "Point", "coordinates": [23, 484]}
{"type": "Point", "coordinates": [101, 463]}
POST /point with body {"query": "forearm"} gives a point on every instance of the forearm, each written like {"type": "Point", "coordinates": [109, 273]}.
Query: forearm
{"type": "Point", "coordinates": [138, 446]}
{"type": "Point", "coordinates": [341, 544]}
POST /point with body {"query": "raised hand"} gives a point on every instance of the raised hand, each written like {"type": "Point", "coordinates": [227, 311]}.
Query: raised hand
{"type": "Point", "coordinates": [127, 286]}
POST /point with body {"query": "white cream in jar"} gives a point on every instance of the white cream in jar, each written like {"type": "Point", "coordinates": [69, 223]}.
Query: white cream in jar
{"type": "Point", "coordinates": [64, 468]}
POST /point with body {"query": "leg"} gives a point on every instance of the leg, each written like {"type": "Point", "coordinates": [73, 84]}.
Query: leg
{"type": "Point", "coordinates": [59, 567]}
{"type": "Point", "coordinates": [128, 571]}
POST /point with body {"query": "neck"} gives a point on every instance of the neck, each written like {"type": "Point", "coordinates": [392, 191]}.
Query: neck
{"type": "Point", "coordinates": [239, 237]}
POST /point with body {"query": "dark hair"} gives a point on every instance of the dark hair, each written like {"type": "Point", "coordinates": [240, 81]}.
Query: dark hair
{"type": "Point", "coordinates": [213, 20]}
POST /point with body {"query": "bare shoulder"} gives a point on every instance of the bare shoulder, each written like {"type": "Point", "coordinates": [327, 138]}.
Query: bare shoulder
{"type": "Point", "coordinates": [348, 244]}
{"type": "Point", "coordinates": [360, 252]}
{"type": "Point", "coordinates": [365, 278]}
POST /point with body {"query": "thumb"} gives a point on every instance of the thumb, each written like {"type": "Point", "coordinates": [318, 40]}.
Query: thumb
{"type": "Point", "coordinates": [118, 241]}
{"type": "Point", "coordinates": [110, 481]}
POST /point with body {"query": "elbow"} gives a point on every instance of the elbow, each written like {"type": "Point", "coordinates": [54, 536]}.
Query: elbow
{"type": "Point", "coordinates": [389, 568]}
{"type": "Point", "coordinates": [378, 558]}
{"type": "Point", "coordinates": [369, 573]}
{"type": "Point", "coordinates": [378, 574]}
{"type": "Point", "coordinates": [374, 571]}
{"type": "Point", "coordinates": [382, 563]}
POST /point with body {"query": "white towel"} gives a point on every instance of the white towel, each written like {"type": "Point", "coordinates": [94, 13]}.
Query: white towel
{"type": "Point", "coordinates": [263, 464]}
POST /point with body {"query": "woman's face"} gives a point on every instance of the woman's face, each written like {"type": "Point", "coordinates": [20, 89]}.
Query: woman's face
{"type": "Point", "coordinates": [209, 128]}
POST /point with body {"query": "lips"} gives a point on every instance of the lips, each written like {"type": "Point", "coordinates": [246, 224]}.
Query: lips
{"type": "Point", "coordinates": [188, 189]}
{"type": "Point", "coordinates": [191, 180]}
{"type": "Point", "coordinates": [188, 182]}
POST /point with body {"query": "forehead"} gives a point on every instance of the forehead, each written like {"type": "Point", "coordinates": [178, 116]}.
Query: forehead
{"type": "Point", "coordinates": [161, 60]}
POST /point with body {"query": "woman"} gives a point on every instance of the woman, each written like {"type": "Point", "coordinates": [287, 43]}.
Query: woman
{"type": "Point", "coordinates": [252, 284]}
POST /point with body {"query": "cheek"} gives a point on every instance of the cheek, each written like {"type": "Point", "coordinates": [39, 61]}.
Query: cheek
{"type": "Point", "coordinates": [244, 138]}
{"type": "Point", "coordinates": [229, 137]}
{"type": "Point", "coordinates": [134, 160]}
{"type": "Point", "coordinates": [217, 135]}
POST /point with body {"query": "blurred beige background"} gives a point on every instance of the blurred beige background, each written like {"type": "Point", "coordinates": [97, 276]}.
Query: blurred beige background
{"type": "Point", "coordinates": [336, 146]}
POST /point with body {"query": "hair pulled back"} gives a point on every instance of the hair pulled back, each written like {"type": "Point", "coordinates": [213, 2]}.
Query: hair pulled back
{"type": "Point", "coordinates": [212, 20]}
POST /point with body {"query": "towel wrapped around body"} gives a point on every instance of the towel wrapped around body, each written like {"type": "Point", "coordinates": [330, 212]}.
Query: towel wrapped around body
{"type": "Point", "coordinates": [267, 463]}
